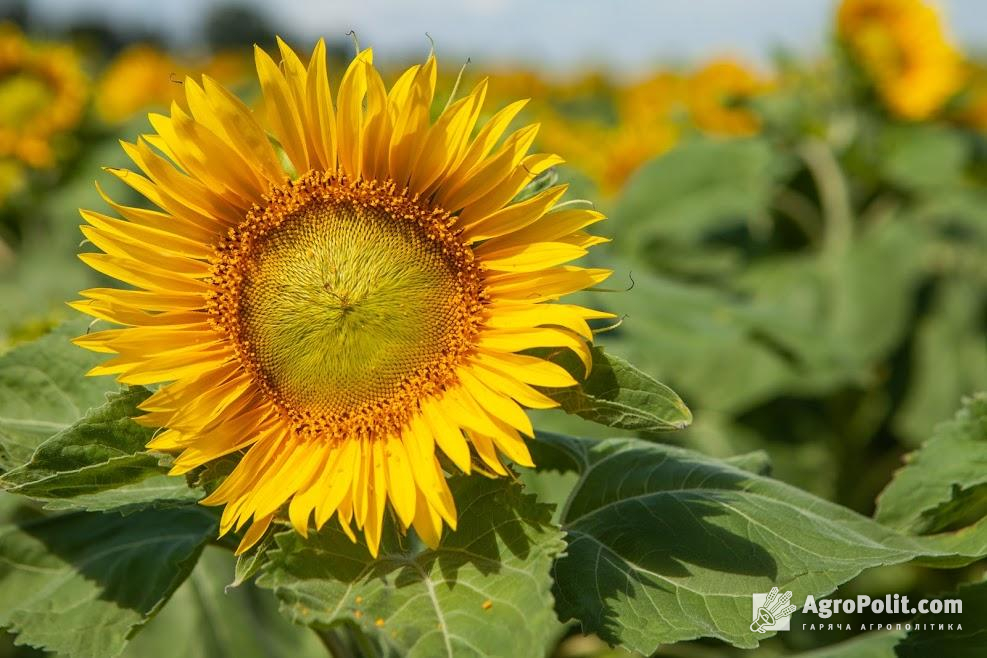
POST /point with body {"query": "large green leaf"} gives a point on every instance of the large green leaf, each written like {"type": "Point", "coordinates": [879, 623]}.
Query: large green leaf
{"type": "Point", "coordinates": [486, 591]}
{"type": "Point", "coordinates": [80, 583]}
{"type": "Point", "coordinates": [207, 619]}
{"type": "Point", "coordinates": [668, 545]}
{"type": "Point", "coordinates": [834, 318]}
{"type": "Point", "coordinates": [922, 157]}
{"type": "Point", "coordinates": [100, 463]}
{"type": "Point", "coordinates": [687, 334]}
{"type": "Point", "coordinates": [616, 394]}
{"type": "Point", "coordinates": [43, 390]}
{"type": "Point", "coordinates": [699, 187]}
{"type": "Point", "coordinates": [943, 485]}
{"type": "Point", "coordinates": [927, 639]}
{"type": "Point", "coordinates": [949, 358]}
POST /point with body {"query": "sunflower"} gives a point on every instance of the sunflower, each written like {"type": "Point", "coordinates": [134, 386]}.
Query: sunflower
{"type": "Point", "coordinates": [143, 76]}
{"type": "Point", "coordinates": [716, 96]}
{"type": "Point", "coordinates": [338, 292]}
{"type": "Point", "coordinates": [902, 46]}
{"type": "Point", "coordinates": [42, 93]}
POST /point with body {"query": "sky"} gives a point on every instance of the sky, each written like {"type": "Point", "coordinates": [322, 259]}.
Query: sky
{"type": "Point", "coordinates": [618, 35]}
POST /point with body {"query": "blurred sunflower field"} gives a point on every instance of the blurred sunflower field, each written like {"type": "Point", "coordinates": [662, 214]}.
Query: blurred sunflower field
{"type": "Point", "coordinates": [799, 252]}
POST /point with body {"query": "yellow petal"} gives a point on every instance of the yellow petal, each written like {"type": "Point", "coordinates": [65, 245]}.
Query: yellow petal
{"type": "Point", "coordinates": [516, 340]}
{"type": "Point", "coordinates": [497, 404]}
{"type": "Point", "coordinates": [281, 111]}
{"type": "Point", "coordinates": [321, 115]}
{"type": "Point", "coordinates": [528, 369]}
{"type": "Point", "coordinates": [529, 257]}
{"type": "Point", "coordinates": [253, 535]}
{"type": "Point", "coordinates": [400, 482]}
{"type": "Point", "coordinates": [447, 435]}
{"type": "Point", "coordinates": [515, 216]}
{"type": "Point", "coordinates": [544, 285]}
{"type": "Point", "coordinates": [513, 388]}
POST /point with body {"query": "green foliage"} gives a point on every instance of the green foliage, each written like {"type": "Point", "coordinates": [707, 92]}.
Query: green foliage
{"type": "Point", "coordinates": [943, 485]}
{"type": "Point", "coordinates": [949, 356]}
{"type": "Point", "coordinates": [80, 583]}
{"type": "Point", "coordinates": [872, 645]}
{"type": "Point", "coordinates": [666, 545]}
{"type": "Point", "coordinates": [43, 391]}
{"type": "Point", "coordinates": [703, 186]}
{"type": "Point", "coordinates": [966, 643]}
{"type": "Point", "coordinates": [216, 621]}
{"type": "Point", "coordinates": [484, 592]}
{"type": "Point", "coordinates": [99, 463]}
{"type": "Point", "coordinates": [616, 394]}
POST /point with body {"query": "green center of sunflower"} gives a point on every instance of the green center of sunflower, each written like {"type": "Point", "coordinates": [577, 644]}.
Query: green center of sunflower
{"type": "Point", "coordinates": [348, 301]}
{"type": "Point", "coordinates": [341, 303]}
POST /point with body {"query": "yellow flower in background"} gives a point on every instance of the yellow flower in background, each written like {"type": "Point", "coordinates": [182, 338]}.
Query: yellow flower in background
{"type": "Point", "coordinates": [717, 95]}
{"type": "Point", "coordinates": [42, 94]}
{"type": "Point", "coordinates": [632, 145]}
{"type": "Point", "coordinates": [340, 315]}
{"type": "Point", "coordinates": [609, 150]}
{"type": "Point", "coordinates": [507, 85]}
{"type": "Point", "coordinates": [144, 76]}
{"type": "Point", "coordinates": [660, 94]}
{"type": "Point", "coordinates": [903, 48]}
{"type": "Point", "coordinates": [140, 76]}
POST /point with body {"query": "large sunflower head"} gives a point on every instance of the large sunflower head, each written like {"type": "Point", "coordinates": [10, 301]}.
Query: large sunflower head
{"type": "Point", "coordinates": [903, 48]}
{"type": "Point", "coordinates": [339, 292]}
{"type": "Point", "coordinates": [42, 93]}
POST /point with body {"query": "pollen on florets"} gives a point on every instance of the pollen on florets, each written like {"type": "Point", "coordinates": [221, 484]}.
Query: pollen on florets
{"type": "Point", "coordinates": [348, 302]}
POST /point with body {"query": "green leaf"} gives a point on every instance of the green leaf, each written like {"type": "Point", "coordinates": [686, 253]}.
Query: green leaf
{"type": "Point", "coordinates": [43, 390]}
{"type": "Point", "coordinates": [206, 619]}
{"type": "Point", "coordinates": [923, 157]}
{"type": "Point", "coordinates": [835, 318]}
{"type": "Point", "coordinates": [250, 564]}
{"type": "Point", "coordinates": [948, 356]}
{"type": "Point", "coordinates": [927, 640]}
{"type": "Point", "coordinates": [486, 591]}
{"type": "Point", "coordinates": [685, 333]}
{"type": "Point", "coordinates": [618, 395]}
{"type": "Point", "coordinates": [100, 463]}
{"type": "Point", "coordinates": [666, 545]}
{"type": "Point", "coordinates": [699, 187]}
{"type": "Point", "coordinates": [757, 462]}
{"type": "Point", "coordinates": [869, 645]}
{"type": "Point", "coordinates": [943, 485]}
{"type": "Point", "coordinates": [81, 583]}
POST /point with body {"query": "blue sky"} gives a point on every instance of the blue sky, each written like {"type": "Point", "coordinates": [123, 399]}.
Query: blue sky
{"type": "Point", "coordinates": [621, 35]}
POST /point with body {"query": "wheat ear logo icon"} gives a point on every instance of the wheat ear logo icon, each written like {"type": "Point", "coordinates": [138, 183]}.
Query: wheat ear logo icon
{"type": "Point", "coordinates": [774, 608]}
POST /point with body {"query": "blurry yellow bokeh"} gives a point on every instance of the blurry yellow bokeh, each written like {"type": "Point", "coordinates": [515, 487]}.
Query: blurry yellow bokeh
{"type": "Point", "coordinates": [42, 93]}
{"type": "Point", "coordinates": [143, 77]}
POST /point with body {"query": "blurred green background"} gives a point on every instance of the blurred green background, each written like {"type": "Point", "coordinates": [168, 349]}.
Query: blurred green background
{"type": "Point", "coordinates": [799, 233]}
